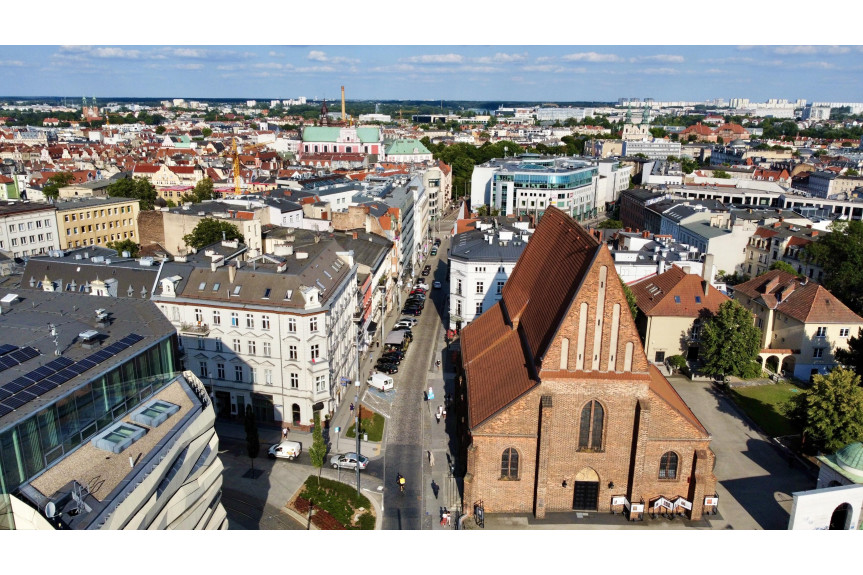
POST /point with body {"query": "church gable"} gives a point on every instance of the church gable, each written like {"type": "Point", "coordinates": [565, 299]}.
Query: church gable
{"type": "Point", "coordinates": [597, 334]}
{"type": "Point", "coordinates": [668, 423]}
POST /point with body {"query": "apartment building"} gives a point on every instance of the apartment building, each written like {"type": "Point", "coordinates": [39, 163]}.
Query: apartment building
{"type": "Point", "coordinates": [781, 241]}
{"type": "Point", "coordinates": [96, 221]}
{"type": "Point", "coordinates": [27, 229]}
{"type": "Point", "coordinates": [106, 434]}
{"type": "Point", "coordinates": [273, 332]}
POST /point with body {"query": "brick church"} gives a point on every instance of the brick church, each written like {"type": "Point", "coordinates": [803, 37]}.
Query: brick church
{"type": "Point", "coordinates": [560, 409]}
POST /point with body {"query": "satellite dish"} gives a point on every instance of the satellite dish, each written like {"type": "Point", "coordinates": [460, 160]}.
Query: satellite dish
{"type": "Point", "coordinates": [50, 510]}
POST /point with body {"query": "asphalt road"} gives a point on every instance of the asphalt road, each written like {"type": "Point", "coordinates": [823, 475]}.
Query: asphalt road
{"type": "Point", "coordinates": [406, 438]}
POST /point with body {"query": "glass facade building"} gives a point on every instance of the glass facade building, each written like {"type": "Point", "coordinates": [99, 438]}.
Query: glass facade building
{"type": "Point", "coordinates": [31, 445]}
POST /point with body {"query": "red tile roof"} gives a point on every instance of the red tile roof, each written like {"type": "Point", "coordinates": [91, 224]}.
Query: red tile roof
{"type": "Point", "coordinates": [673, 294]}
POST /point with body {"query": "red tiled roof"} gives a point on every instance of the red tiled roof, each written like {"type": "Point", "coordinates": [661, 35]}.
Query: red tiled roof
{"type": "Point", "coordinates": [673, 293]}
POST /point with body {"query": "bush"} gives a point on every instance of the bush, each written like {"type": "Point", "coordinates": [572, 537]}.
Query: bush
{"type": "Point", "coordinates": [370, 422]}
{"type": "Point", "coordinates": [677, 361]}
{"type": "Point", "coordinates": [751, 370]}
{"type": "Point", "coordinates": [338, 500]}
{"type": "Point", "coordinates": [366, 521]}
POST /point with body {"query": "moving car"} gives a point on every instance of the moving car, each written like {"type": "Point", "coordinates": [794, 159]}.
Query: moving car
{"type": "Point", "coordinates": [437, 241]}
{"type": "Point", "coordinates": [421, 285]}
{"type": "Point", "coordinates": [285, 450]}
{"type": "Point", "coordinates": [349, 461]}
{"type": "Point", "coordinates": [410, 320]}
{"type": "Point", "coordinates": [405, 323]}
{"type": "Point", "coordinates": [436, 284]}
{"type": "Point", "coordinates": [434, 251]}
{"type": "Point", "coordinates": [426, 271]}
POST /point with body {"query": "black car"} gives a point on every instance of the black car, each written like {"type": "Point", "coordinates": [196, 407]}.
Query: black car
{"type": "Point", "coordinates": [400, 355]}
{"type": "Point", "coordinates": [388, 359]}
{"type": "Point", "coordinates": [437, 242]}
{"type": "Point", "coordinates": [426, 272]}
{"type": "Point", "coordinates": [389, 368]}
{"type": "Point", "coordinates": [412, 311]}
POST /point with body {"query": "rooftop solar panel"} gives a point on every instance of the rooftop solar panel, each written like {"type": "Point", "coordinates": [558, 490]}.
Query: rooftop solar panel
{"type": "Point", "coordinates": [42, 387]}
{"type": "Point", "coordinates": [4, 394]}
{"type": "Point", "coordinates": [6, 348]}
{"type": "Point", "coordinates": [14, 402]}
{"type": "Point", "coordinates": [4, 410]}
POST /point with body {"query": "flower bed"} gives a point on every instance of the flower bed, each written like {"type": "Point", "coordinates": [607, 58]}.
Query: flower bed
{"type": "Point", "coordinates": [336, 505]}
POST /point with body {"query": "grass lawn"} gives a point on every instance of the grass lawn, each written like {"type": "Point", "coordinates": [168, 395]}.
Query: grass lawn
{"type": "Point", "coordinates": [762, 403]}
{"type": "Point", "coordinates": [370, 422]}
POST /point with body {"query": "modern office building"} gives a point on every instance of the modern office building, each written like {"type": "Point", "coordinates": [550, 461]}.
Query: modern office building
{"type": "Point", "coordinates": [98, 427]}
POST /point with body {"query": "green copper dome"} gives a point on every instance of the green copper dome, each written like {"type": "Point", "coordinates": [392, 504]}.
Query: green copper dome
{"type": "Point", "coordinates": [850, 457]}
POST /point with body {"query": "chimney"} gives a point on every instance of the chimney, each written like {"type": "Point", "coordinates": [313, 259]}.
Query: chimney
{"type": "Point", "coordinates": [707, 272]}
{"type": "Point", "coordinates": [355, 235]}
{"type": "Point", "coordinates": [814, 233]}
{"type": "Point", "coordinates": [232, 273]}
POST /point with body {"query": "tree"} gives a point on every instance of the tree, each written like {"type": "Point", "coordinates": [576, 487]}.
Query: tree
{"type": "Point", "coordinates": [203, 190]}
{"type": "Point", "coordinates": [610, 224]}
{"type": "Point", "coordinates": [318, 450]}
{"type": "Point", "coordinates": [206, 132]}
{"type": "Point", "coordinates": [852, 358]}
{"type": "Point", "coordinates": [783, 266]}
{"type": "Point", "coordinates": [730, 342]}
{"type": "Point", "coordinates": [209, 231]}
{"type": "Point", "coordinates": [721, 174]}
{"type": "Point", "coordinates": [830, 413]}
{"type": "Point", "coordinates": [135, 188]}
{"type": "Point", "coordinates": [124, 246]}
{"type": "Point", "coordinates": [688, 165]}
{"type": "Point", "coordinates": [840, 255]}
{"type": "Point", "coordinates": [160, 130]}
{"type": "Point", "coordinates": [52, 188]}
{"type": "Point", "coordinates": [253, 444]}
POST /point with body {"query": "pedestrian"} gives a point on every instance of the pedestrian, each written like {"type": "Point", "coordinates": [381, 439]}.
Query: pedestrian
{"type": "Point", "coordinates": [435, 488]}
{"type": "Point", "coordinates": [444, 413]}
{"type": "Point", "coordinates": [438, 413]}
{"type": "Point", "coordinates": [352, 408]}
{"type": "Point", "coordinates": [431, 458]}
{"type": "Point", "coordinates": [284, 433]}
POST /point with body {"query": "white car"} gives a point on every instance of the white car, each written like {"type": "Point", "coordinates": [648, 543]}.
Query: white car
{"type": "Point", "coordinates": [349, 461]}
{"type": "Point", "coordinates": [422, 285]}
{"type": "Point", "coordinates": [436, 284]}
{"type": "Point", "coordinates": [408, 321]}
{"type": "Point", "coordinates": [403, 324]}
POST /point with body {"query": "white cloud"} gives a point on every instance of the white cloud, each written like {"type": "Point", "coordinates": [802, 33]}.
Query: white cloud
{"type": "Point", "coordinates": [434, 59]}
{"type": "Point", "coordinates": [189, 66]}
{"type": "Point", "coordinates": [591, 57]}
{"type": "Point", "coordinates": [669, 58]}
{"type": "Point", "coordinates": [660, 71]}
{"type": "Point", "coordinates": [501, 58]}
{"type": "Point", "coordinates": [810, 50]}
{"type": "Point", "coordinates": [11, 63]}
{"type": "Point", "coordinates": [393, 68]}
{"type": "Point", "coordinates": [820, 65]}
{"type": "Point", "coordinates": [319, 56]}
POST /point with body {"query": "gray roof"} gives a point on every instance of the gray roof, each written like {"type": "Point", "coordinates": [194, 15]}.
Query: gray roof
{"type": "Point", "coordinates": [65, 271]}
{"type": "Point", "coordinates": [26, 323]}
{"type": "Point", "coordinates": [369, 249]}
{"type": "Point", "coordinates": [15, 208]}
{"type": "Point", "coordinates": [78, 203]}
{"type": "Point", "coordinates": [705, 230]}
{"type": "Point", "coordinates": [475, 246]}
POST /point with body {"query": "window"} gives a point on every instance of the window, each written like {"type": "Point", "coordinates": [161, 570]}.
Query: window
{"type": "Point", "coordinates": [216, 286]}
{"type": "Point", "coordinates": [509, 464]}
{"type": "Point", "coordinates": [478, 308]}
{"type": "Point", "coordinates": [316, 352]}
{"type": "Point", "coordinates": [238, 373]}
{"type": "Point", "coordinates": [660, 357]}
{"type": "Point", "coordinates": [218, 345]}
{"type": "Point", "coordinates": [590, 428]}
{"type": "Point", "coordinates": [236, 346]}
{"type": "Point", "coordinates": [220, 370]}
{"type": "Point", "coordinates": [202, 285]}
{"type": "Point", "coordinates": [458, 307]}
{"type": "Point", "coordinates": [818, 352]}
{"type": "Point", "coordinates": [252, 347]}
{"type": "Point", "coordinates": [821, 332]}
{"type": "Point", "coordinates": [295, 381]}
{"type": "Point", "coordinates": [843, 332]}
{"type": "Point", "coordinates": [313, 324]}
{"type": "Point", "coordinates": [677, 299]}
{"type": "Point", "coordinates": [500, 286]}
{"type": "Point", "coordinates": [253, 373]}
{"type": "Point", "coordinates": [458, 286]}
{"type": "Point", "coordinates": [268, 377]}
{"type": "Point", "coordinates": [201, 342]}
{"type": "Point", "coordinates": [235, 319]}
{"type": "Point", "coordinates": [217, 318]}
{"type": "Point", "coordinates": [199, 316]}
{"type": "Point", "coordinates": [320, 383]}
{"type": "Point", "coordinates": [668, 466]}
{"type": "Point", "coordinates": [265, 322]}
{"type": "Point", "coordinates": [237, 290]}
{"type": "Point", "coordinates": [267, 349]}
{"type": "Point", "coordinates": [267, 293]}
{"type": "Point", "coordinates": [250, 321]}
{"type": "Point", "coordinates": [202, 369]}
{"type": "Point", "coordinates": [480, 288]}
{"type": "Point", "coordinates": [292, 352]}
{"type": "Point", "coordinates": [292, 325]}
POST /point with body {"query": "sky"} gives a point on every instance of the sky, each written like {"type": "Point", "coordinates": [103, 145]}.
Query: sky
{"type": "Point", "coordinates": [446, 51]}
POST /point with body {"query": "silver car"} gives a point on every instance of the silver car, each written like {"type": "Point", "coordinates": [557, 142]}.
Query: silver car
{"type": "Point", "coordinates": [348, 461]}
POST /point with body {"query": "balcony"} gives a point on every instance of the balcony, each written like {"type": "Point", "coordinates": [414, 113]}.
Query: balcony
{"type": "Point", "coordinates": [195, 329]}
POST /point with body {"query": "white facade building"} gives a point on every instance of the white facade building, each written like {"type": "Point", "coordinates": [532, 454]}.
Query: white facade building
{"type": "Point", "coordinates": [28, 229]}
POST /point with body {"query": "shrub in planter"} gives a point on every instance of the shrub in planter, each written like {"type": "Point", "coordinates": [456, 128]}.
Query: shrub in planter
{"type": "Point", "coordinates": [677, 362]}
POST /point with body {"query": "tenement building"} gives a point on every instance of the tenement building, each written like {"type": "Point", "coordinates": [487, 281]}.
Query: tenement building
{"type": "Point", "coordinates": [562, 409]}
{"type": "Point", "coordinates": [99, 429]}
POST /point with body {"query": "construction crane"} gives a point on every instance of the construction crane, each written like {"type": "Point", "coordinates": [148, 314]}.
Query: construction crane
{"type": "Point", "coordinates": [237, 190]}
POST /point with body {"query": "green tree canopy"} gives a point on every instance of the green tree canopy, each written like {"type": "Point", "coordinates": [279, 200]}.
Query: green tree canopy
{"type": "Point", "coordinates": [830, 413]}
{"type": "Point", "coordinates": [203, 190]}
{"type": "Point", "coordinates": [52, 188]}
{"type": "Point", "coordinates": [630, 299]}
{"type": "Point", "coordinates": [688, 165]}
{"type": "Point", "coordinates": [318, 450]}
{"type": "Point", "coordinates": [783, 266]}
{"type": "Point", "coordinates": [840, 255]}
{"type": "Point", "coordinates": [721, 174]}
{"type": "Point", "coordinates": [209, 231]}
{"type": "Point", "coordinates": [124, 246]}
{"type": "Point", "coordinates": [206, 132]}
{"type": "Point", "coordinates": [730, 342]}
{"type": "Point", "coordinates": [610, 224]}
{"type": "Point", "coordinates": [134, 188]}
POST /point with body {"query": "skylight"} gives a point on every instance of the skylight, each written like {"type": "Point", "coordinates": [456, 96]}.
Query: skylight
{"type": "Point", "coordinates": [216, 286]}
{"type": "Point", "coordinates": [290, 294]}
{"type": "Point", "coordinates": [202, 285]}
{"type": "Point", "coordinates": [677, 299]}
{"type": "Point", "coordinates": [237, 289]}
{"type": "Point", "coordinates": [267, 293]}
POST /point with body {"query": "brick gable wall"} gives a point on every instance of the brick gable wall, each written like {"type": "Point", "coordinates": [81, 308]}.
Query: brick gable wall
{"type": "Point", "coordinates": [150, 228]}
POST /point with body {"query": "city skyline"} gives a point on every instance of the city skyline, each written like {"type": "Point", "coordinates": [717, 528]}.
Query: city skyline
{"type": "Point", "coordinates": [451, 72]}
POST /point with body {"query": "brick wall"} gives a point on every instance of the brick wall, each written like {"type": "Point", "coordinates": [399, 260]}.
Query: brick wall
{"type": "Point", "coordinates": [150, 228]}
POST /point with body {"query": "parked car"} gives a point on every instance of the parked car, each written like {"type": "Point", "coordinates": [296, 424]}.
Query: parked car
{"type": "Point", "coordinates": [412, 311]}
{"type": "Point", "coordinates": [349, 461]}
{"type": "Point", "coordinates": [380, 381]}
{"type": "Point", "coordinates": [436, 284]}
{"type": "Point", "coordinates": [434, 251]}
{"type": "Point", "coordinates": [418, 291]}
{"type": "Point", "coordinates": [405, 323]}
{"type": "Point", "coordinates": [437, 241]}
{"type": "Point", "coordinates": [387, 367]}
{"type": "Point", "coordinates": [426, 272]}
{"type": "Point", "coordinates": [422, 285]}
{"type": "Point", "coordinates": [389, 359]}
{"type": "Point", "coordinates": [410, 320]}
{"type": "Point", "coordinates": [401, 327]}
{"type": "Point", "coordinates": [393, 354]}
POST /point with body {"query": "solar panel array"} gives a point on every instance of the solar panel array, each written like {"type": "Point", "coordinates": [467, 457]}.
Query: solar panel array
{"type": "Point", "coordinates": [53, 374]}
{"type": "Point", "coordinates": [17, 356]}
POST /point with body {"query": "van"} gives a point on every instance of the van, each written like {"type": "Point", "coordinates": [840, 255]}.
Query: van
{"type": "Point", "coordinates": [380, 381]}
{"type": "Point", "coordinates": [285, 450]}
